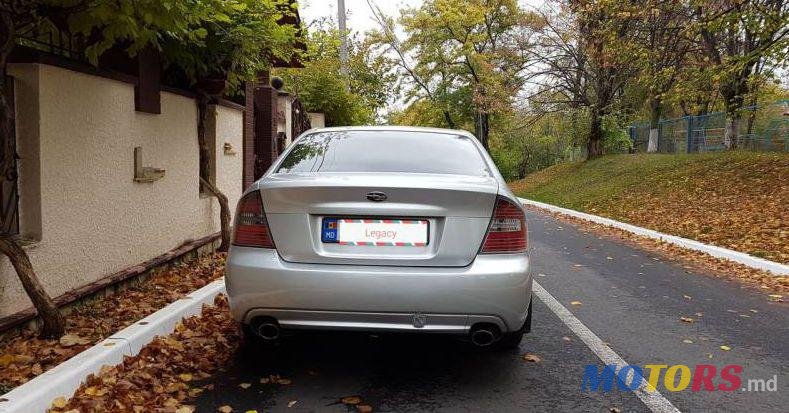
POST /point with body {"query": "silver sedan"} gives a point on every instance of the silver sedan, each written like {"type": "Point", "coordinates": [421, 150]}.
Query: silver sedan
{"type": "Point", "coordinates": [382, 229]}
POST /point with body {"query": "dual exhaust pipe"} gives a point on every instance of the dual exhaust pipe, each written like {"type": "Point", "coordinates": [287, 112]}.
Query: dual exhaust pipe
{"type": "Point", "coordinates": [481, 335]}
{"type": "Point", "coordinates": [266, 328]}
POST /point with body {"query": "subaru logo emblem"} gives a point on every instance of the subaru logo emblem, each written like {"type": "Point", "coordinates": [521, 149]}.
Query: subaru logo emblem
{"type": "Point", "coordinates": [419, 320]}
{"type": "Point", "coordinates": [376, 196]}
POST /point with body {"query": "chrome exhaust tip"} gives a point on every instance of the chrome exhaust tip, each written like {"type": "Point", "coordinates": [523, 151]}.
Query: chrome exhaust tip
{"type": "Point", "coordinates": [483, 337]}
{"type": "Point", "coordinates": [266, 328]}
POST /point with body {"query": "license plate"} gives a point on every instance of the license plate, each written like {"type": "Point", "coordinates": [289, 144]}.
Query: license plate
{"type": "Point", "coordinates": [375, 232]}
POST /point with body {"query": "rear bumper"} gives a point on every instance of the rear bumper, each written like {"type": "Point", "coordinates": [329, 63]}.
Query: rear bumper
{"type": "Point", "coordinates": [493, 289]}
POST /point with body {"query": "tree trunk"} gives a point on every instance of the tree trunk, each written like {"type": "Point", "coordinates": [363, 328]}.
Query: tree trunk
{"type": "Point", "coordinates": [205, 183]}
{"type": "Point", "coordinates": [594, 143]}
{"type": "Point", "coordinates": [224, 213]}
{"type": "Point", "coordinates": [482, 128]}
{"type": "Point", "coordinates": [448, 119]}
{"type": "Point", "coordinates": [655, 108]}
{"type": "Point", "coordinates": [53, 323]}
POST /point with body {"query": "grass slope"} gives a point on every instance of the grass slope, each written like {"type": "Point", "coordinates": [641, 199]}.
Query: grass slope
{"type": "Point", "coordinates": [737, 200]}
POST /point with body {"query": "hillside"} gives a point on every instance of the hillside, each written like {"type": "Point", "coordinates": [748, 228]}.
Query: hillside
{"type": "Point", "coordinates": [737, 200]}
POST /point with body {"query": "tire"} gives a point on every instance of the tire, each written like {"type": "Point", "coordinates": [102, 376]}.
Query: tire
{"type": "Point", "coordinates": [510, 341]}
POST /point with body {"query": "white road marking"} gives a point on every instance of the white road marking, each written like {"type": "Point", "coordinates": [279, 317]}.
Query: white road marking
{"type": "Point", "coordinates": [654, 400]}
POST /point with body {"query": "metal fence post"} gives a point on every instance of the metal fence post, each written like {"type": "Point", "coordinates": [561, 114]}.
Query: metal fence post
{"type": "Point", "coordinates": [689, 132]}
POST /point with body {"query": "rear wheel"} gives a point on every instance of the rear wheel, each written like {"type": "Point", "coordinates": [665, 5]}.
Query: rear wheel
{"type": "Point", "coordinates": [510, 340]}
{"type": "Point", "coordinates": [513, 340]}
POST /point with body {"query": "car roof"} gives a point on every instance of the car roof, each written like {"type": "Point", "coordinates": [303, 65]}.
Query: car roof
{"type": "Point", "coordinates": [393, 129]}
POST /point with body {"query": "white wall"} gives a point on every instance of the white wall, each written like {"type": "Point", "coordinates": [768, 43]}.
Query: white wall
{"type": "Point", "coordinates": [87, 218]}
{"type": "Point", "coordinates": [317, 120]}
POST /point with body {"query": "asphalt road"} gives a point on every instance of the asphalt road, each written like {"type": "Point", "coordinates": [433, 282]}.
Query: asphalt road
{"type": "Point", "coordinates": [631, 299]}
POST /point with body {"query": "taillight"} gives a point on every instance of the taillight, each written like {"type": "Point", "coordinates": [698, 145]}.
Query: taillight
{"type": "Point", "coordinates": [251, 225]}
{"type": "Point", "coordinates": [507, 230]}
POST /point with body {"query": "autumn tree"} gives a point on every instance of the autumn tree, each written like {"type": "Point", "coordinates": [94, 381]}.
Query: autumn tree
{"type": "Point", "coordinates": [322, 87]}
{"type": "Point", "coordinates": [662, 40]}
{"type": "Point", "coordinates": [585, 61]}
{"type": "Point", "coordinates": [463, 51]}
{"type": "Point", "coordinates": [739, 38]}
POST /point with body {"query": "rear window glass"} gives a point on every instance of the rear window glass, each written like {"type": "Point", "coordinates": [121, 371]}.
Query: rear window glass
{"type": "Point", "coordinates": [385, 151]}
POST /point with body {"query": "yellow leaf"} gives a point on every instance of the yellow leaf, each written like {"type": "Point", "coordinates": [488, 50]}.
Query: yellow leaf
{"type": "Point", "coordinates": [185, 377]}
{"type": "Point", "coordinates": [532, 358]}
{"type": "Point", "coordinates": [575, 303]}
{"type": "Point", "coordinates": [686, 319]}
{"type": "Point", "coordinates": [725, 348]}
{"type": "Point", "coordinates": [6, 359]}
{"type": "Point", "coordinates": [225, 409]}
{"type": "Point", "coordinates": [90, 391]}
{"type": "Point", "coordinates": [59, 402]}
{"type": "Point", "coordinates": [351, 400]}
{"type": "Point", "coordinates": [185, 409]}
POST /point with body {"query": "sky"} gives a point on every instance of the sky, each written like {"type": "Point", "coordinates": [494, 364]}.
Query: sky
{"type": "Point", "coordinates": [359, 17]}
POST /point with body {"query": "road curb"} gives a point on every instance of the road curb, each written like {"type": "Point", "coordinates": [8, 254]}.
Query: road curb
{"type": "Point", "coordinates": [64, 379]}
{"type": "Point", "coordinates": [718, 252]}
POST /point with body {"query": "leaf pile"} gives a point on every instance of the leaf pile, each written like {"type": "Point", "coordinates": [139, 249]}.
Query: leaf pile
{"type": "Point", "coordinates": [737, 200]}
{"type": "Point", "coordinates": [772, 285]}
{"type": "Point", "coordinates": [161, 377]}
{"type": "Point", "coordinates": [23, 356]}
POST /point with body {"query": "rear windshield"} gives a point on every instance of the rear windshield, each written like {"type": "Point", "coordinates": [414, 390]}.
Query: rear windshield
{"type": "Point", "coordinates": [385, 151]}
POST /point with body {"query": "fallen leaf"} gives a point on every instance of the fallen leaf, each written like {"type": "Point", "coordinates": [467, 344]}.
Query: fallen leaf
{"type": "Point", "coordinates": [575, 303]}
{"type": "Point", "coordinates": [185, 409]}
{"type": "Point", "coordinates": [245, 385]}
{"type": "Point", "coordinates": [687, 297]}
{"type": "Point", "coordinates": [23, 359]}
{"type": "Point", "coordinates": [59, 402]}
{"type": "Point", "coordinates": [185, 377]}
{"type": "Point", "coordinates": [225, 409]}
{"type": "Point", "coordinates": [725, 348]}
{"type": "Point", "coordinates": [351, 400]}
{"type": "Point", "coordinates": [292, 403]}
{"type": "Point", "coordinates": [615, 410]}
{"type": "Point", "coordinates": [73, 340]}
{"type": "Point", "coordinates": [265, 380]}
{"type": "Point", "coordinates": [687, 319]}
{"type": "Point", "coordinates": [532, 358]}
{"type": "Point", "coordinates": [284, 381]}
{"type": "Point", "coordinates": [775, 297]}
{"type": "Point", "coordinates": [6, 359]}
{"type": "Point", "coordinates": [686, 341]}
{"type": "Point", "coordinates": [251, 411]}
{"type": "Point", "coordinates": [364, 408]}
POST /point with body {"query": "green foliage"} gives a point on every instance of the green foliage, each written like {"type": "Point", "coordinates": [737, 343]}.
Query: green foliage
{"type": "Point", "coordinates": [322, 88]}
{"type": "Point", "coordinates": [232, 39]}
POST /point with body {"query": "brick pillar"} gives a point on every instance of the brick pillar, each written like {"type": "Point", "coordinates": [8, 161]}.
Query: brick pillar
{"type": "Point", "coordinates": [265, 149]}
{"type": "Point", "coordinates": [248, 147]}
{"type": "Point", "coordinates": [260, 129]}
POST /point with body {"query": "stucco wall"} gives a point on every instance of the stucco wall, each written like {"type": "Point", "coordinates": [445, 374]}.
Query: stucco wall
{"type": "Point", "coordinates": [75, 135]}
